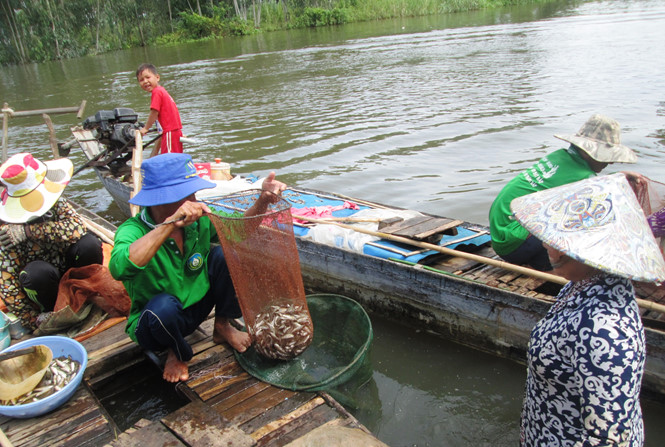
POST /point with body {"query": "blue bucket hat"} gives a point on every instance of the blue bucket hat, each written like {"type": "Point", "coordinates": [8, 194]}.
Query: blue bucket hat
{"type": "Point", "coordinates": [168, 178]}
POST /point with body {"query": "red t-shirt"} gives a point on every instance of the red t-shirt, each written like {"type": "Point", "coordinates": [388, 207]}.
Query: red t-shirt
{"type": "Point", "coordinates": [168, 115]}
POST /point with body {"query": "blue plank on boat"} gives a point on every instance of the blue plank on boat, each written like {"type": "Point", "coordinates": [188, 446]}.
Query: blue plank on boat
{"type": "Point", "coordinates": [463, 236]}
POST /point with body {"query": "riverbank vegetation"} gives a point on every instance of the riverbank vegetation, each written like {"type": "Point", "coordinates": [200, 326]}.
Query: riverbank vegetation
{"type": "Point", "coordinates": [41, 30]}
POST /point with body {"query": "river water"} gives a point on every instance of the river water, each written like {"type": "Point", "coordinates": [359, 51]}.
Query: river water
{"type": "Point", "coordinates": [434, 114]}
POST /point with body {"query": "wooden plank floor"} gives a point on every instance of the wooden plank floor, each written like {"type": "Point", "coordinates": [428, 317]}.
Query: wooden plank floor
{"type": "Point", "coordinates": [227, 406]}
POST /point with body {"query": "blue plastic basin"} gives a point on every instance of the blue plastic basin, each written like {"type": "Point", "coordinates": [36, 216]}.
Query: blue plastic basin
{"type": "Point", "coordinates": [61, 346]}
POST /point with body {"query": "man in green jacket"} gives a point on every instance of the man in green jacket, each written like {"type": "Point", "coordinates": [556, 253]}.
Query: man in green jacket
{"type": "Point", "coordinates": [173, 274]}
{"type": "Point", "coordinates": [597, 144]}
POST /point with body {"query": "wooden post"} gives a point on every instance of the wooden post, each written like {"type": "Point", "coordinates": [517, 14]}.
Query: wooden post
{"type": "Point", "coordinates": [79, 114]}
{"type": "Point", "coordinates": [53, 141]}
{"type": "Point", "coordinates": [137, 159]}
{"type": "Point", "coordinates": [6, 113]}
{"type": "Point", "coordinates": [156, 147]}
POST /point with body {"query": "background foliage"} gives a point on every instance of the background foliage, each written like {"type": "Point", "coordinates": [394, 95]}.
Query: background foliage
{"type": "Point", "coordinates": [41, 30]}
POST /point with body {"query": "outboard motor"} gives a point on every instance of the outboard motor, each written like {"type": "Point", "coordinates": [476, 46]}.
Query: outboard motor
{"type": "Point", "coordinates": [115, 129]}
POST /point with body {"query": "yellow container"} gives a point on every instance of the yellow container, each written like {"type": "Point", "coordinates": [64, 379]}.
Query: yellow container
{"type": "Point", "coordinates": [219, 170]}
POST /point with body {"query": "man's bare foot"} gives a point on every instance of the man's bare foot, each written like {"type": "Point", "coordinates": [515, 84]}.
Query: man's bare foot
{"type": "Point", "coordinates": [225, 332]}
{"type": "Point", "coordinates": [174, 369]}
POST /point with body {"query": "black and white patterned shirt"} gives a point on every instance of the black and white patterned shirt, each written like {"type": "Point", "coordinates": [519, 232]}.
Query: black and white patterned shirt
{"type": "Point", "coordinates": [585, 365]}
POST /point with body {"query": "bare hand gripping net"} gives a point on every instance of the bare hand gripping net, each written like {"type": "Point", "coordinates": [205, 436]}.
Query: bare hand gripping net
{"type": "Point", "coordinates": [262, 257]}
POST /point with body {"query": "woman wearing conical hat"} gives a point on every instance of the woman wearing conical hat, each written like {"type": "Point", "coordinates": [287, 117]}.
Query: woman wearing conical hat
{"type": "Point", "coordinates": [585, 358]}
{"type": "Point", "coordinates": [41, 236]}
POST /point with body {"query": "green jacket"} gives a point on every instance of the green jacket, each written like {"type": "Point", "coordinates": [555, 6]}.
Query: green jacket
{"type": "Point", "coordinates": [184, 275]}
{"type": "Point", "coordinates": [558, 168]}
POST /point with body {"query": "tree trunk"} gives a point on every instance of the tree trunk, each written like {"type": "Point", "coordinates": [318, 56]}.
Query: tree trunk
{"type": "Point", "coordinates": [170, 15]}
{"type": "Point", "coordinates": [257, 13]}
{"type": "Point", "coordinates": [198, 7]}
{"type": "Point", "coordinates": [99, 19]}
{"type": "Point", "coordinates": [139, 23]}
{"type": "Point", "coordinates": [13, 28]}
{"type": "Point", "coordinates": [55, 35]}
{"type": "Point", "coordinates": [241, 11]}
{"type": "Point", "coordinates": [286, 11]}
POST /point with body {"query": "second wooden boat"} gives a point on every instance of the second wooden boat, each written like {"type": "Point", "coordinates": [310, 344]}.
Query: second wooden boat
{"type": "Point", "coordinates": [461, 291]}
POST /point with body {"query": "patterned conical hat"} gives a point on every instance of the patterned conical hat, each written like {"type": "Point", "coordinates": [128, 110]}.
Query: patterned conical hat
{"type": "Point", "coordinates": [31, 186]}
{"type": "Point", "coordinates": [597, 221]}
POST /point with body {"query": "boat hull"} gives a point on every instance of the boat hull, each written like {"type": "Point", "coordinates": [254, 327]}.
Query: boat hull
{"type": "Point", "coordinates": [471, 313]}
{"type": "Point", "coordinates": [121, 192]}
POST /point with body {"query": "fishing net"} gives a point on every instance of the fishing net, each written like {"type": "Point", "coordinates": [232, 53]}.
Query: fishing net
{"type": "Point", "coordinates": [320, 342]}
{"type": "Point", "coordinates": [261, 253]}
{"type": "Point", "coordinates": [337, 360]}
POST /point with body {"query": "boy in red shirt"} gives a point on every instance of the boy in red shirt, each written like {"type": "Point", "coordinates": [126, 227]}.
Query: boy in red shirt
{"type": "Point", "coordinates": [162, 108]}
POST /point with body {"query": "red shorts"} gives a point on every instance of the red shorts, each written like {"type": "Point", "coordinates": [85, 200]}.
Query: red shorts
{"type": "Point", "coordinates": [171, 142]}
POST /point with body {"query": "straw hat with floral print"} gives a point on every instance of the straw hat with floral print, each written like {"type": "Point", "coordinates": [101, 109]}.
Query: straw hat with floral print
{"type": "Point", "coordinates": [600, 137]}
{"type": "Point", "coordinates": [597, 221]}
{"type": "Point", "coordinates": [31, 187]}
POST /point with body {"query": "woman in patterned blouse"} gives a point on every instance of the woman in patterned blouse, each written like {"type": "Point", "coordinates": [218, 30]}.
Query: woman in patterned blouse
{"type": "Point", "coordinates": [586, 356]}
{"type": "Point", "coordinates": [41, 236]}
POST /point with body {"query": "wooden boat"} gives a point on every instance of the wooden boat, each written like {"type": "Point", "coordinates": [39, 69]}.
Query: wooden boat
{"type": "Point", "coordinates": [455, 287]}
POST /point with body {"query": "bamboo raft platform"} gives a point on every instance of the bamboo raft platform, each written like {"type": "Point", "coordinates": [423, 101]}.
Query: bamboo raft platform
{"type": "Point", "coordinates": [227, 406]}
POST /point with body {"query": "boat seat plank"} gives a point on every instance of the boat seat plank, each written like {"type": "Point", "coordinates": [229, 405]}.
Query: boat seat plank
{"type": "Point", "coordinates": [257, 404]}
{"type": "Point", "coordinates": [207, 364]}
{"type": "Point", "coordinates": [199, 424]}
{"type": "Point", "coordinates": [104, 361]}
{"type": "Point", "coordinates": [508, 277]}
{"type": "Point", "coordinates": [453, 264]}
{"type": "Point", "coordinates": [78, 422]}
{"type": "Point", "coordinates": [86, 139]}
{"type": "Point", "coordinates": [111, 336]}
{"type": "Point", "coordinates": [153, 434]}
{"type": "Point", "coordinates": [229, 406]}
{"type": "Point", "coordinates": [221, 380]}
{"type": "Point", "coordinates": [233, 387]}
{"type": "Point", "coordinates": [298, 427]}
{"type": "Point", "coordinates": [423, 227]}
{"type": "Point", "coordinates": [528, 282]}
{"type": "Point", "coordinates": [278, 415]}
{"type": "Point", "coordinates": [236, 392]}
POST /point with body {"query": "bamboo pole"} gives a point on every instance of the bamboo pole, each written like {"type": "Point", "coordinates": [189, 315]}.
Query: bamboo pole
{"type": "Point", "coordinates": [448, 251]}
{"type": "Point", "coordinates": [104, 234]}
{"type": "Point", "coordinates": [4, 440]}
{"type": "Point", "coordinates": [644, 304]}
{"type": "Point", "coordinates": [137, 160]}
{"type": "Point", "coordinates": [54, 111]}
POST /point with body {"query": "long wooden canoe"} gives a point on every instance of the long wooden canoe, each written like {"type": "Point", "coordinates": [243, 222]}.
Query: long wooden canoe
{"type": "Point", "coordinates": [462, 292]}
